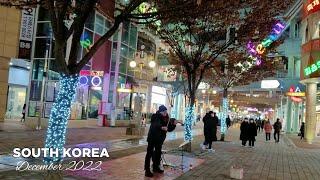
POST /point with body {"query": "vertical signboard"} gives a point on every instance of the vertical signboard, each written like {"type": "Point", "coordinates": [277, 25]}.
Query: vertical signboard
{"type": "Point", "coordinates": [26, 33]}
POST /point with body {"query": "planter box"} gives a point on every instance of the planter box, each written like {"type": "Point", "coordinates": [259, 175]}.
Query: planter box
{"type": "Point", "coordinates": [236, 172]}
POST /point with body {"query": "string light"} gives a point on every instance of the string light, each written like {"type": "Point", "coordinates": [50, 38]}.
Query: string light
{"type": "Point", "coordinates": [188, 123]}
{"type": "Point", "coordinates": [225, 110]}
{"type": "Point", "coordinates": [60, 112]}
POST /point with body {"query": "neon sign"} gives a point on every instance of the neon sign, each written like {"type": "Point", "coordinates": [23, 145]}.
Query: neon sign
{"type": "Point", "coordinates": [94, 76]}
{"type": "Point", "coordinates": [85, 41]}
{"type": "Point", "coordinates": [256, 51]}
{"type": "Point", "coordinates": [312, 68]}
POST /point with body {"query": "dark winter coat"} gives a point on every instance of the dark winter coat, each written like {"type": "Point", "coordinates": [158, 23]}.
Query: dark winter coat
{"type": "Point", "coordinates": [228, 121]}
{"type": "Point", "coordinates": [156, 134]}
{"type": "Point", "coordinates": [210, 128]}
{"type": "Point", "coordinates": [277, 126]}
{"type": "Point", "coordinates": [302, 129]}
{"type": "Point", "coordinates": [252, 131]}
{"type": "Point", "coordinates": [244, 131]}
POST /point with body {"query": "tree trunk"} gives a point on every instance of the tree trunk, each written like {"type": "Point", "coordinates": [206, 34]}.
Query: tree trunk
{"type": "Point", "coordinates": [224, 115]}
{"type": "Point", "coordinates": [60, 112]}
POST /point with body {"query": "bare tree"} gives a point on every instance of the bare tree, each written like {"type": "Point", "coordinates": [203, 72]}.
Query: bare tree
{"type": "Point", "coordinates": [198, 42]}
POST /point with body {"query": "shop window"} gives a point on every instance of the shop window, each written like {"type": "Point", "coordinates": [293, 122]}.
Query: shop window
{"type": "Point", "coordinates": [53, 71]}
{"type": "Point", "coordinates": [125, 32]}
{"type": "Point", "coordinates": [42, 45]}
{"type": "Point", "coordinates": [99, 25]}
{"type": "Point", "coordinates": [133, 37]}
{"type": "Point", "coordinates": [131, 53]}
{"type": "Point", "coordinates": [90, 21]}
{"type": "Point", "coordinates": [43, 15]}
{"type": "Point", "coordinates": [37, 69]}
{"type": "Point", "coordinates": [44, 29]}
{"type": "Point", "coordinates": [123, 65]}
{"type": "Point", "coordinates": [124, 50]}
{"type": "Point", "coordinates": [35, 90]}
{"type": "Point", "coordinates": [52, 88]}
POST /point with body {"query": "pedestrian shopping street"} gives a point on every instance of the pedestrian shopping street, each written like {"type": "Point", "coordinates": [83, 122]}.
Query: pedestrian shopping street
{"type": "Point", "coordinates": [159, 89]}
{"type": "Point", "coordinates": [268, 160]}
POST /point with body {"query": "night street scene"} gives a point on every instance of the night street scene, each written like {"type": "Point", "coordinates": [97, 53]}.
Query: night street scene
{"type": "Point", "coordinates": [159, 89]}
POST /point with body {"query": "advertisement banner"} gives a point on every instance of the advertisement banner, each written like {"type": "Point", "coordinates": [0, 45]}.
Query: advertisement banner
{"type": "Point", "coordinates": [26, 33]}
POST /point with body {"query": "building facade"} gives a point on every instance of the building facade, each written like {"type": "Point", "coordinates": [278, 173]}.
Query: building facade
{"type": "Point", "coordinates": [310, 65]}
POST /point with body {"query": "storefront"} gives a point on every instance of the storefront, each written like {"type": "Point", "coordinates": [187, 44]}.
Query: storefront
{"type": "Point", "coordinates": [44, 74]}
{"type": "Point", "coordinates": [18, 85]}
{"type": "Point", "coordinates": [310, 63]}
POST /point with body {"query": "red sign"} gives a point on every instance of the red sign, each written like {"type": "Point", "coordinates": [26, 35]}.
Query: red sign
{"type": "Point", "coordinates": [91, 73]}
{"type": "Point", "coordinates": [311, 6]}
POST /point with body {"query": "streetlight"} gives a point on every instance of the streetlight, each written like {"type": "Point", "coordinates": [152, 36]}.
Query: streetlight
{"type": "Point", "coordinates": [152, 64]}
{"type": "Point", "coordinates": [133, 64]}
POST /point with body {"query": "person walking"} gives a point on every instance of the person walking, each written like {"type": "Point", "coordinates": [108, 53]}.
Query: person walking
{"type": "Point", "coordinates": [205, 119]}
{"type": "Point", "coordinates": [160, 125]}
{"type": "Point", "coordinates": [228, 121]}
{"type": "Point", "coordinates": [23, 119]}
{"type": "Point", "coordinates": [258, 125]}
{"type": "Point", "coordinates": [263, 123]}
{"type": "Point", "coordinates": [277, 126]}
{"type": "Point", "coordinates": [267, 129]}
{"type": "Point", "coordinates": [252, 133]}
{"type": "Point", "coordinates": [302, 131]}
{"type": "Point", "coordinates": [210, 130]}
{"type": "Point", "coordinates": [244, 130]}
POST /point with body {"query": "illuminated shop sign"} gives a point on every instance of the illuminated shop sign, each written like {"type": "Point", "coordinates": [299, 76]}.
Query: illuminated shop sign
{"type": "Point", "coordinates": [295, 94]}
{"type": "Point", "coordinates": [256, 51]}
{"type": "Point", "coordinates": [312, 68]}
{"type": "Point", "coordinates": [85, 41]}
{"type": "Point", "coordinates": [313, 5]}
{"type": "Point", "coordinates": [91, 78]}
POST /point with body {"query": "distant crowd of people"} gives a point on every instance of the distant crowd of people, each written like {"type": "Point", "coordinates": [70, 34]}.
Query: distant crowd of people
{"type": "Point", "coordinates": [250, 127]}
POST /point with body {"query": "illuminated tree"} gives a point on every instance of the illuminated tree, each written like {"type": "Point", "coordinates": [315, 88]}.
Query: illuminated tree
{"type": "Point", "coordinates": [68, 65]}
{"type": "Point", "coordinates": [198, 42]}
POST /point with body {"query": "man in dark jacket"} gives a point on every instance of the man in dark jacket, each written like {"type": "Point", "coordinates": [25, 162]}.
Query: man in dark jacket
{"type": "Point", "coordinates": [210, 129]}
{"type": "Point", "coordinates": [252, 133]}
{"type": "Point", "coordinates": [302, 131]}
{"type": "Point", "coordinates": [244, 131]}
{"type": "Point", "coordinates": [277, 126]}
{"type": "Point", "coordinates": [228, 121]}
{"type": "Point", "coordinates": [160, 124]}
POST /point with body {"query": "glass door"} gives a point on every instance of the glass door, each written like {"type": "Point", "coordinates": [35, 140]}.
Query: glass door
{"type": "Point", "coordinates": [16, 100]}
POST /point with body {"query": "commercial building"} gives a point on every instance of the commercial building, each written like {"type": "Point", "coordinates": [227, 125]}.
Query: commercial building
{"type": "Point", "coordinates": [13, 45]}
{"type": "Point", "coordinates": [310, 65]}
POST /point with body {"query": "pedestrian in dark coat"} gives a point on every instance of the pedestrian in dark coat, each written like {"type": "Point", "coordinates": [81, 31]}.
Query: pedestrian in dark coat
{"type": "Point", "coordinates": [160, 125]}
{"type": "Point", "coordinates": [277, 126]}
{"type": "Point", "coordinates": [216, 121]}
{"type": "Point", "coordinates": [252, 133]}
{"type": "Point", "coordinates": [244, 131]}
{"type": "Point", "coordinates": [210, 129]}
{"type": "Point", "coordinates": [302, 131]}
{"type": "Point", "coordinates": [205, 120]}
{"type": "Point", "coordinates": [228, 121]}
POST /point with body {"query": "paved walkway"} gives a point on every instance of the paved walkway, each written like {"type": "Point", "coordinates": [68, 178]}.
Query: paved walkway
{"type": "Point", "coordinates": [268, 160]}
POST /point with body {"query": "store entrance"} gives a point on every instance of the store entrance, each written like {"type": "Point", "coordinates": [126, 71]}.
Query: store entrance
{"type": "Point", "coordinates": [16, 100]}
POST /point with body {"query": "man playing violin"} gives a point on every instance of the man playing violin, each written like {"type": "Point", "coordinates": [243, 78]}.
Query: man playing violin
{"type": "Point", "coordinates": [160, 125]}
